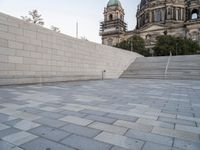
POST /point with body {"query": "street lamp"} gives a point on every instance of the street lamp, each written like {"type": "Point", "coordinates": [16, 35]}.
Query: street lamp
{"type": "Point", "coordinates": [131, 45]}
{"type": "Point", "coordinates": [198, 37]}
{"type": "Point", "coordinates": [103, 72]}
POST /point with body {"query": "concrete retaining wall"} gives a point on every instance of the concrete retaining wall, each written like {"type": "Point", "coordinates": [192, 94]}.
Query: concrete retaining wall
{"type": "Point", "coordinates": [32, 54]}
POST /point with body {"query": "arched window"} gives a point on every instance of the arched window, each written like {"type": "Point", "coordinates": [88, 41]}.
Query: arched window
{"type": "Point", "coordinates": [194, 36]}
{"type": "Point", "coordinates": [148, 36]}
{"type": "Point", "coordinates": [118, 16]}
{"type": "Point", "coordinates": [194, 14]}
{"type": "Point", "coordinates": [153, 18]}
{"type": "Point", "coordinates": [147, 17]}
{"type": "Point", "coordinates": [110, 17]}
{"type": "Point", "coordinates": [157, 16]}
{"type": "Point", "coordinates": [121, 17]}
{"type": "Point", "coordinates": [177, 14]}
{"type": "Point", "coordinates": [169, 13]}
{"type": "Point", "coordinates": [143, 19]}
{"type": "Point", "coordinates": [110, 42]}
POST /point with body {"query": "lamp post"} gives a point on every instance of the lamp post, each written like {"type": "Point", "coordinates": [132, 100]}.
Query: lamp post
{"type": "Point", "coordinates": [198, 37]}
{"type": "Point", "coordinates": [77, 29]}
{"type": "Point", "coordinates": [131, 46]}
{"type": "Point", "coordinates": [103, 72]}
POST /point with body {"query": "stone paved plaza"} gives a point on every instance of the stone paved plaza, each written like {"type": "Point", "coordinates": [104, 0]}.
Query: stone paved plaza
{"type": "Point", "coordinates": [101, 115]}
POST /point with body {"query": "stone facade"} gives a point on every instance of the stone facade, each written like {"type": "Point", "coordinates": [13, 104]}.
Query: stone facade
{"type": "Point", "coordinates": [32, 54]}
{"type": "Point", "coordinates": [155, 17]}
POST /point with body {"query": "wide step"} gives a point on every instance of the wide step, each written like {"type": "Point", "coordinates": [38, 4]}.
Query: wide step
{"type": "Point", "coordinates": [174, 67]}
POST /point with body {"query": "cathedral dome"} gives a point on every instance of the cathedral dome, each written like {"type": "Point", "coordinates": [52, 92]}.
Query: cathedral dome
{"type": "Point", "coordinates": [114, 3]}
{"type": "Point", "coordinates": [157, 12]}
{"type": "Point", "coordinates": [143, 2]}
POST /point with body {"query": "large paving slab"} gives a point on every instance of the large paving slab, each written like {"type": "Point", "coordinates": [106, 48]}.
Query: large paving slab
{"type": "Point", "coordinates": [124, 114]}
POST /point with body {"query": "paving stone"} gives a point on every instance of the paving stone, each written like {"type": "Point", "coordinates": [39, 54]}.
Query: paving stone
{"type": "Point", "coordinates": [188, 128]}
{"type": "Point", "coordinates": [155, 123]}
{"type": "Point", "coordinates": [177, 121]}
{"type": "Point", "coordinates": [188, 114]}
{"type": "Point", "coordinates": [93, 112]}
{"type": "Point", "coordinates": [192, 119]}
{"type": "Point", "coordinates": [155, 138]}
{"type": "Point", "coordinates": [170, 109]}
{"type": "Point", "coordinates": [54, 104]}
{"type": "Point", "coordinates": [76, 120]}
{"type": "Point", "coordinates": [136, 126]}
{"type": "Point", "coordinates": [1, 107]}
{"type": "Point", "coordinates": [122, 117]}
{"type": "Point", "coordinates": [118, 148]}
{"type": "Point", "coordinates": [31, 110]}
{"type": "Point", "coordinates": [49, 133]}
{"type": "Point", "coordinates": [177, 134]}
{"type": "Point", "coordinates": [8, 131]}
{"type": "Point", "coordinates": [73, 113]}
{"type": "Point", "coordinates": [46, 108]}
{"type": "Point", "coordinates": [7, 111]}
{"type": "Point", "coordinates": [186, 144]}
{"type": "Point", "coordinates": [13, 122]}
{"type": "Point", "coordinates": [7, 146]}
{"type": "Point", "coordinates": [168, 115]}
{"type": "Point", "coordinates": [50, 122]}
{"type": "Point", "coordinates": [26, 125]}
{"type": "Point", "coordinates": [52, 115]}
{"type": "Point", "coordinates": [44, 144]}
{"type": "Point", "coordinates": [3, 117]}
{"type": "Point", "coordinates": [27, 116]}
{"type": "Point", "coordinates": [3, 126]}
{"type": "Point", "coordinates": [80, 130]}
{"type": "Point", "coordinates": [83, 143]}
{"type": "Point", "coordinates": [119, 140]}
{"type": "Point", "coordinates": [153, 146]}
{"type": "Point", "coordinates": [108, 127]}
{"type": "Point", "coordinates": [72, 108]}
{"type": "Point", "coordinates": [136, 107]}
{"type": "Point", "coordinates": [100, 119]}
{"type": "Point", "coordinates": [19, 138]}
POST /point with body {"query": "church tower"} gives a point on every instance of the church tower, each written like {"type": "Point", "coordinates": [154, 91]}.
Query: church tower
{"type": "Point", "coordinates": [113, 27]}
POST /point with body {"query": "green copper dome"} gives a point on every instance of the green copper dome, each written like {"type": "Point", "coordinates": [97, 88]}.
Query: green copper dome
{"type": "Point", "coordinates": [114, 3]}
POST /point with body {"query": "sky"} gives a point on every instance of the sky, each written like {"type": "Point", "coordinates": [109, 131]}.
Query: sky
{"type": "Point", "coordinates": [65, 13]}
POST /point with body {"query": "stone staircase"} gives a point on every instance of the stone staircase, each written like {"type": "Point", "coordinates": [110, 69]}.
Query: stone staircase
{"type": "Point", "coordinates": [170, 67]}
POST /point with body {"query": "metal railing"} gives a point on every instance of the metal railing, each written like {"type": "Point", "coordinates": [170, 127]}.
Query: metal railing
{"type": "Point", "coordinates": [167, 66]}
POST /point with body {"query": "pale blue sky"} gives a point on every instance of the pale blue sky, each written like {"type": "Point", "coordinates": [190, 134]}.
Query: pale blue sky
{"type": "Point", "coordinates": [65, 13]}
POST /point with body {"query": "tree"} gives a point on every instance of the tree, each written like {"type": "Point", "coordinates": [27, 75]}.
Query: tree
{"type": "Point", "coordinates": [176, 45]}
{"type": "Point", "coordinates": [124, 45]}
{"type": "Point", "coordinates": [84, 38]}
{"type": "Point", "coordinates": [56, 29]}
{"type": "Point", "coordinates": [35, 18]}
{"type": "Point", "coordinates": [134, 43]}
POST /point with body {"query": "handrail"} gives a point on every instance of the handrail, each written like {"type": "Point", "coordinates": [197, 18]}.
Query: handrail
{"type": "Point", "coordinates": [167, 66]}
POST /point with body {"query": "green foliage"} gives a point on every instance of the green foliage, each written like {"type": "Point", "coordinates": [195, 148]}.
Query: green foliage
{"type": "Point", "coordinates": [123, 45]}
{"type": "Point", "coordinates": [164, 45]}
{"type": "Point", "coordinates": [176, 45]}
{"type": "Point", "coordinates": [134, 43]}
{"type": "Point", "coordinates": [35, 18]}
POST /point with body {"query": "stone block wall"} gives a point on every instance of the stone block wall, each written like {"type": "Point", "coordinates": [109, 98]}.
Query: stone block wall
{"type": "Point", "coordinates": [33, 54]}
